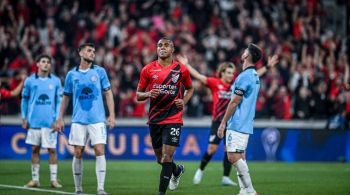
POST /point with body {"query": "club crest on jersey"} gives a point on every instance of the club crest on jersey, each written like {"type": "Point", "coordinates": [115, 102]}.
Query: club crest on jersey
{"type": "Point", "coordinates": [50, 86]}
{"type": "Point", "coordinates": [175, 78]}
{"type": "Point", "coordinates": [93, 78]}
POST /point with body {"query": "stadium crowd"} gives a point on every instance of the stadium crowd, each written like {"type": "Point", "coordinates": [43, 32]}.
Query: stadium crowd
{"type": "Point", "coordinates": [310, 82]}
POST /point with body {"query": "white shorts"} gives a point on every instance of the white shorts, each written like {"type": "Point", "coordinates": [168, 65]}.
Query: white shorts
{"type": "Point", "coordinates": [44, 137]}
{"type": "Point", "coordinates": [236, 141]}
{"type": "Point", "coordinates": [80, 134]}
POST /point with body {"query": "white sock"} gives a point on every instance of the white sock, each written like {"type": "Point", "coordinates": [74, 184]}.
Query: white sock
{"type": "Point", "coordinates": [35, 172]}
{"type": "Point", "coordinates": [243, 171]}
{"type": "Point", "coordinates": [241, 186]}
{"type": "Point", "coordinates": [77, 167]}
{"type": "Point", "coordinates": [100, 171]}
{"type": "Point", "coordinates": [53, 172]}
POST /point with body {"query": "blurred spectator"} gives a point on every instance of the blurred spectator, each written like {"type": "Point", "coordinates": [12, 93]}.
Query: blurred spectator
{"type": "Point", "coordinates": [313, 57]}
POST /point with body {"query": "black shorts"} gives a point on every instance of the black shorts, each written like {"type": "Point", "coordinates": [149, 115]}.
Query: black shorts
{"type": "Point", "coordinates": [213, 136]}
{"type": "Point", "coordinates": [168, 134]}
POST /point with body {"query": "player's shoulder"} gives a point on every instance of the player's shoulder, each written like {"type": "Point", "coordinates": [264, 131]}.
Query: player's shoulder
{"type": "Point", "coordinates": [97, 67]}
{"type": "Point", "coordinates": [31, 77]}
{"type": "Point", "coordinates": [149, 66]}
{"type": "Point", "coordinates": [55, 78]}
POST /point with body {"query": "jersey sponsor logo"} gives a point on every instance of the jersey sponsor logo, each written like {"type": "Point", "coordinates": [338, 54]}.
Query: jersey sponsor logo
{"type": "Point", "coordinates": [166, 89]}
{"type": "Point", "coordinates": [43, 99]}
{"type": "Point", "coordinates": [86, 94]}
{"type": "Point", "coordinates": [224, 95]}
{"type": "Point", "coordinates": [175, 78]}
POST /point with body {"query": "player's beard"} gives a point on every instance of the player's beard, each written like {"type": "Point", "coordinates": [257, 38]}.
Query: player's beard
{"type": "Point", "coordinates": [88, 60]}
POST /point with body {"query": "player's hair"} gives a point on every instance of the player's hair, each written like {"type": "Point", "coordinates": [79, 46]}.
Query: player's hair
{"type": "Point", "coordinates": [222, 68]}
{"type": "Point", "coordinates": [82, 46]}
{"type": "Point", "coordinates": [167, 39]}
{"type": "Point", "coordinates": [43, 56]}
{"type": "Point", "coordinates": [255, 52]}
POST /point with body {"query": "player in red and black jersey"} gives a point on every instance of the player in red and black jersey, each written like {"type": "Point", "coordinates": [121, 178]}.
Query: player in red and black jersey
{"type": "Point", "coordinates": [220, 88]}
{"type": "Point", "coordinates": [169, 86]}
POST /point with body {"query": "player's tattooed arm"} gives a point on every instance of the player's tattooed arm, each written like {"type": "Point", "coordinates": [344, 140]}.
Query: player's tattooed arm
{"type": "Point", "coordinates": [110, 104]}
{"type": "Point", "coordinates": [59, 126]}
{"type": "Point", "coordinates": [231, 108]}
{"type": "Point", "coordinates": [180, 103]}
{"type": "Point", "coordinates": [184, 60]}
{"type": "Point", "coordinates": [141, 95]}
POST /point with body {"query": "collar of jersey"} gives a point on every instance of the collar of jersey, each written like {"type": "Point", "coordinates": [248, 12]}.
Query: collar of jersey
{"type": "Point", "coordinates": [250, 67]}
{"type": "Point", "coordinates": [77, 67]}
{"type": "Point", "coordinates": [37, 76]}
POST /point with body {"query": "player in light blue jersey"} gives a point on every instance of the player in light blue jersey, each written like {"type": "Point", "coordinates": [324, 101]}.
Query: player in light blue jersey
{"type": "Point", "coordinates": [41, 98]}
{"type": "Point", "coordinates": [86, 84]}
{"type": "Point", "coordinates": [240, 113]}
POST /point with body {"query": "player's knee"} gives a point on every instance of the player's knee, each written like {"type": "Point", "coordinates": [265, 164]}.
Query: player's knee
{"type": "Point", "coordinates": [167, 158]}
{"type": "Point", "coordinates": [232, 158]}
{"type": "Point", "coordinates": [211, 150]}
{"type": "Point", "coordinates": [78, 154]}
{"type": "Point", "coordinates": [35, 150]}
{"type": "Point", "coordinates": [51, 151]}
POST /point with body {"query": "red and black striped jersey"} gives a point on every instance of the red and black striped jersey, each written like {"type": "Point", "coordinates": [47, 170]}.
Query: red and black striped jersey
{"type": "Point", "coordinates": [221, 93]}
{"type": "Point", "coordinates": [172, 81]}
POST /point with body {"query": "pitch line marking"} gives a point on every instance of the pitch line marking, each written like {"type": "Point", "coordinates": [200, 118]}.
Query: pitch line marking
{"type": "Point", "coordinates": [36, 189]}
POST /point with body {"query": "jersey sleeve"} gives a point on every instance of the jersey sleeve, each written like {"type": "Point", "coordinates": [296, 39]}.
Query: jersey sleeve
{"type": "Point", "coordinates": [68, 85]}
{"type": "Point", "coordinates": [187, 81]}
{"type": "Point", "coordinates": [211, 83]}
{"type": "Point", "coordinates": [106, 85]}
{"type": "Point", "coordinates": [241, 85]}
{"type": "Point", "coordinates": [144, 79]}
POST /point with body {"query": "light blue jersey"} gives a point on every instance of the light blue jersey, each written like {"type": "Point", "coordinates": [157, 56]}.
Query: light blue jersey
{"type": "Point", "coordinates": [246, 85]}
{"type": "Point", "coordinates": [86, 90]}
{"type": "Point", "coordinates": [41, 98]}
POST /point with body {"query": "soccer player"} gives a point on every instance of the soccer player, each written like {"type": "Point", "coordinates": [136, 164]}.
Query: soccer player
{"type": "Point", "coordinates": [221, 92]}
{"type": "Point", "coordinates": [168, 85]}
{"type": "Point", "coordinates": [41, 98]}
{"type": "Point", "coordinates": [239, 115]}
{"type": "Point", "coordinates": [86, 83]}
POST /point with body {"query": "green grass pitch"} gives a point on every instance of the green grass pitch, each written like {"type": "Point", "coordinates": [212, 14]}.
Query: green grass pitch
{"type": "Point", "coordinates": [141, 178]}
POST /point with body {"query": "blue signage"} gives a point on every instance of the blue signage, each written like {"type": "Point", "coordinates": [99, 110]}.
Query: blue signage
{"type": "Point", "coordinates": [266, 144]}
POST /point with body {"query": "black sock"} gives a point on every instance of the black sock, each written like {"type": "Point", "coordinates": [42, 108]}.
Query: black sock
{"type": "Point", "coordinates": [176, 170]}
{"type": "Point", "coordinates": [165, 174]}
{"type": "Point", "coordinates": [205, 160]}
{"type": "Point", "coordinates": [227, 165]}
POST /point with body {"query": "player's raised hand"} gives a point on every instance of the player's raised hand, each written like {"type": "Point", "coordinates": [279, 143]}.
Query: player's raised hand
{"type": "Point", "coordinates": [154, 93]}
{"type": "Point", "coordinates": [182, 59]}
{"type": "Point", "coordinates": [111, 122]}
{"type": "Point", "coordinates": [25, 124]}
{"type": "Point", "coordinates": [59, 126]}
{"type": "Point", "coordinates": [272, 61]}
{"type": "Point", "coordinates": [221, 130]}
{"type": "Point", "coordinates": [179, 103]}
